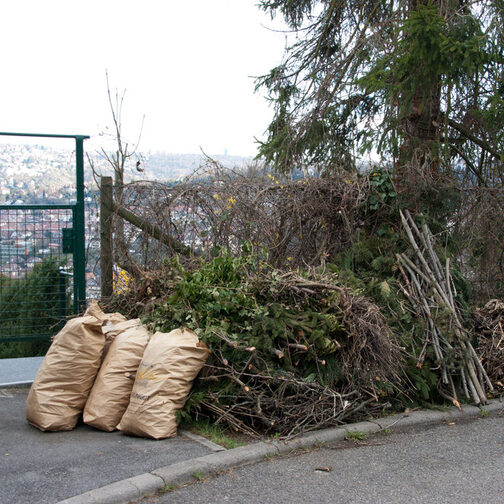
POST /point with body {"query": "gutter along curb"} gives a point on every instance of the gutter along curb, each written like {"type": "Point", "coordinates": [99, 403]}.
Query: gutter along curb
{"type": "Point", "coordinates": [124, 491]}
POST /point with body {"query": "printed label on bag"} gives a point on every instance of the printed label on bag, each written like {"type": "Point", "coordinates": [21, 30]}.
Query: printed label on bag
{"type": "Point", "coordinates": [149, 374]}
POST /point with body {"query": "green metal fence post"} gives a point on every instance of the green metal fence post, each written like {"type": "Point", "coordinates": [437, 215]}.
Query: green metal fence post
{"type": "Point", "coordinates": [79, 226]}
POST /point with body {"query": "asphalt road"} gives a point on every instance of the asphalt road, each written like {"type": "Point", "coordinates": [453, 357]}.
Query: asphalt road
{"type": "Point", "coordinates": [46, 467]}
{"type": "Point", "coordinates": [459, 463]}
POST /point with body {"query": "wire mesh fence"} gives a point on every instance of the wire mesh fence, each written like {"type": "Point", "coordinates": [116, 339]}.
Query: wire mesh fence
{"type": "Point", "coordinates": [36, 267]}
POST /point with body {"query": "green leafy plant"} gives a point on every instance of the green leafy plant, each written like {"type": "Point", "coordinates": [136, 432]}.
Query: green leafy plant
{"type": "Point", "coordinates": [384, 191]}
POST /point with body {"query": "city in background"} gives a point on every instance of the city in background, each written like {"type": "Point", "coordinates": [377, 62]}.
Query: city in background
{"type": "Point", "coordinates": [40, 174]}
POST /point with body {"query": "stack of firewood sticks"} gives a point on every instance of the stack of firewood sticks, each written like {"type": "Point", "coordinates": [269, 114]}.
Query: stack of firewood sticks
{"type": "Point", "coordinates": [429, 287]}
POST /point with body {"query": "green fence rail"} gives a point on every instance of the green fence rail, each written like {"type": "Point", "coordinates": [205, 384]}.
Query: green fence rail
{"type": "Point", "coordinates": [42, 261]}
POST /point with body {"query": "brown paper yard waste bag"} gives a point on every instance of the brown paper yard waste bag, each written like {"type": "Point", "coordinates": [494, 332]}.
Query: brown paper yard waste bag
{"type": "Point", "coordinates": [170, 364]}
{"type": "Point", "coordinates": [111, 391]}
{"type": "Point", "coordinates": [65, 377]}
{"type": "Point", "coordinates": [111, 330]}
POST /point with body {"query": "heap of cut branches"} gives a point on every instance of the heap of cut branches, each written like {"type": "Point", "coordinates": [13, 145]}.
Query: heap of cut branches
{"type": "Point", "coordinates": [294, 351]}
{"type": "Point", "coordinates": [479, 228]}
{"type": "Point", "coordinates": [489, 325]}
{"type": "Point", "coordinates": [429, 287]}
{"type": "Point", "coordinates": [290, 353]}
{"type": "Point", "coordinates": [286, 405]}
{"type": "Point", "coordinates": [299, 222]}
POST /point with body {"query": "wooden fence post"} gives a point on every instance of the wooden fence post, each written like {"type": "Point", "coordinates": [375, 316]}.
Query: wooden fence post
{"type": "Point", "coordinates": [106, 248]}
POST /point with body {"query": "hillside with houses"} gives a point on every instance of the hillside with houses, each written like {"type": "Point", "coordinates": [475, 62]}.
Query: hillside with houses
{"type": "Point", "coordinates": [38, 173]}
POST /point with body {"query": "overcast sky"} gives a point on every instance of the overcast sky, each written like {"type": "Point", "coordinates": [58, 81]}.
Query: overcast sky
{"type": "Point", "coordinates": [185, 64]}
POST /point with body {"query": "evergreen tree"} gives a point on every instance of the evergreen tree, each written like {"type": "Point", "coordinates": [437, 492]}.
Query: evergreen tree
{"type": "Point", "coordinates": [418, 81]}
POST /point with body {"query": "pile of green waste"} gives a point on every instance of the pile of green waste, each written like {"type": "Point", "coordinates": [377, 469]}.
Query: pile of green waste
{"type": "Point", "coordinates": [291, 351]}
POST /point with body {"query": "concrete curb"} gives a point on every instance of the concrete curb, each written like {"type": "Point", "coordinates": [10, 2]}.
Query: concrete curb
{"type": "Point", "coordinates": [122, 492]}
{"type": "Point", "coordinates": [19, 384]}
{"type": "Point", "coordinates": [202, 440]}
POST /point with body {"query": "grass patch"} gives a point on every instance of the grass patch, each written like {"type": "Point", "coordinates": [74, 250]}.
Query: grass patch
{"type": "Point", "coordinates": [483, 413]}
{"type": "Point", "coordinates": [385, 432]}
{"type": "Point", "coordinates": [214, 433]}
{"type": "Point", "coordinates": [198, 475]}
{"type": "Point", "coordinates": [168, 488]}
{"type": "Point", "coordinates": [355, 436]}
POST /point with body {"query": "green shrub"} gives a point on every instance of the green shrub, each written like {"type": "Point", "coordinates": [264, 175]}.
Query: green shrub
{"type": "Point", "coordinates": [32, 309]}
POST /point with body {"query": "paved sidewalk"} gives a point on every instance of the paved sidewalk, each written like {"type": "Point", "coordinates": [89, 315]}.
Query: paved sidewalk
{"type": "Point", "coordinates": [19, 372]}
{"type": "Point", "coordinates": [46, 467]}
{"type": "Point", "coordinates": [86, 466]}
{"type": "Point", "coordinates": [208, 466]}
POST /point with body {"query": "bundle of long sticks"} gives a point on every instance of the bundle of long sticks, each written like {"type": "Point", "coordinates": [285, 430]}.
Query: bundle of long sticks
{"type": "Point", "coordinates": [429, 286]}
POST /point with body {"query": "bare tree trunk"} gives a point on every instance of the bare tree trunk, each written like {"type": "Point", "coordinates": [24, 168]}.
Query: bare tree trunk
{"type": "Point", "coordinates": [418, 165]}
{"type": "Point", "coordinates": [118, 162]}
